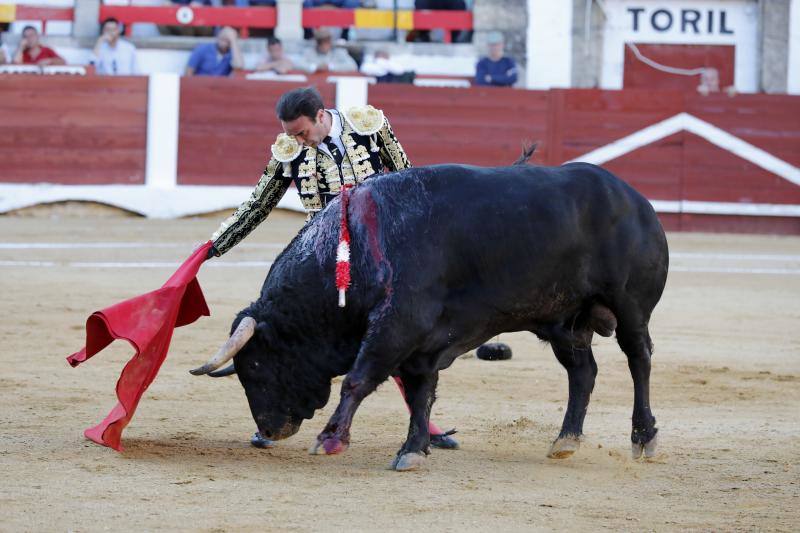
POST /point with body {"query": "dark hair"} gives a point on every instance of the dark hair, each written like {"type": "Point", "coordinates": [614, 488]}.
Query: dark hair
{"type": "Point", "coordinates": [302, 102]}
{"type": "Point", "coordinates": [26, 28]}
{"type": "Point", "coordinates": [273, 40]}
{"type": "Point", "coordinates": [109, 19]}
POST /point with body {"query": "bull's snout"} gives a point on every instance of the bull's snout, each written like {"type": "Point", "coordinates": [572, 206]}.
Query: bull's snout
{"type": "Point", "coordinates": [277, 431]}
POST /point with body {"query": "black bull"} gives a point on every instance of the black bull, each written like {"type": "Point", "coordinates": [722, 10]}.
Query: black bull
{"type": "Point", "coordinates": [443, 259]}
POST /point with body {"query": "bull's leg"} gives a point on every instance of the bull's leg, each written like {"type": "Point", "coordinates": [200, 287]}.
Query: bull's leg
{"type": "Point", "coordinates": [581, 372]}
{"type": "Point", "coordinates": [636, 344]}
{"type": "Point", "coordinates": [335, 437]}
{"type": "Point", "coordinates": [439, 438]}
{"type": "Point", "coordinates": [420, 392]}
{"type": "Point", "coordinates": [375, 362]}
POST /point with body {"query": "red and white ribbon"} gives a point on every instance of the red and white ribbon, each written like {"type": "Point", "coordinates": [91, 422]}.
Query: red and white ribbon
{"type": "Point", "coordinates": [343, 250]}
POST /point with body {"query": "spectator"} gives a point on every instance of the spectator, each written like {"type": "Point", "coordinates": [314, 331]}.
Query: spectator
{"type": "Point", "coordinates": [325, 58]}
{"type": "Point", "coordinates": [496, 69]}
{"type": "Point", "coordinates": [277, 61]}
{"type": "Point", "coordinates": [31, 51]}
{"type": "Point", "coordinates": [112, 55]}
{"type": "Point", "coordinates": [218, 58]}
{"type": "Point", "coordinates": [385, 70]}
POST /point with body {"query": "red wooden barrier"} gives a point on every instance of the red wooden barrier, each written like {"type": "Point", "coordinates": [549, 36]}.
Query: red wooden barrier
{"type": "Point", "coordinates": [479, 126]}
{"type": "Point", "coordinates": [73, 130]}
{"type": "Point", "coordinates": [731, 154]}
{"type": "Point", "coordinates": [227, 127]}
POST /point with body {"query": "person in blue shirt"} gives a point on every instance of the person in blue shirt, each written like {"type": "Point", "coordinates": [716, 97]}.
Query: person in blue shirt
{"type": "Point", "coordinates": [218, 58]}
{"type": "Point", "coordinates": [496, 69]}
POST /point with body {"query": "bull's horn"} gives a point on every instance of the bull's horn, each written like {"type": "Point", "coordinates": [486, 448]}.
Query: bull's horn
{"type": "Point", "coordinates": [231, 347]}
{"type": "Point", "coordinates": [227, 371]}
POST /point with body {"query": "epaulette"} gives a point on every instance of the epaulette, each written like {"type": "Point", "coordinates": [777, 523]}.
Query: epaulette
{"type": "Point", "coordinates": [364, 119]}
{"type": "Point", "coordinates": [286, 149]}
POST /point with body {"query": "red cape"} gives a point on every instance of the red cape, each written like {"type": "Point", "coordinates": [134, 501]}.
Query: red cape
{"type": "Point", "coordinates": [147, 322]}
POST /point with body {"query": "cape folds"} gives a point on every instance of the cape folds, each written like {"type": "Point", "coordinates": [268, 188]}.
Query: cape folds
{"type": "Point", "coordinates": [147, 322]}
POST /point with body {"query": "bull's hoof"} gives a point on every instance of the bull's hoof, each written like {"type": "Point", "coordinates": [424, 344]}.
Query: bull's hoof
{"type": "Point", "coordinates": [564, 447]}
{"type": "Point", "coordinates": [408, 461]}
{"type": "Point", "coordinates": [649, 448]}
{"type": "Point", "coordinates": [329, 446]}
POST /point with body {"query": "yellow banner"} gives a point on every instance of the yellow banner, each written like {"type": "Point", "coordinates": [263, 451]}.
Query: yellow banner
{"type": "Point", "coordinates": [8, 12]}
{"type": "Point", "coordinates": [376, 18]}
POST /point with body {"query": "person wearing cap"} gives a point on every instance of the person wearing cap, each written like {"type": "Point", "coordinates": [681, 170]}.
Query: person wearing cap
{"type": "Point", "coordinates": [321, 152]}
{"type": "Point", "coordinates": [496, 69]}
{"type": "Point", "coordinates": [325, 58]}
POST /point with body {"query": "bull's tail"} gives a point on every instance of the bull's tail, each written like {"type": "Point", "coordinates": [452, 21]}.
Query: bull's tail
{"type": "Point", "coordinates": [527, 153]}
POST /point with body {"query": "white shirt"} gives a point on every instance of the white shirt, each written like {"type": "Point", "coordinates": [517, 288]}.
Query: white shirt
{"type": "Point", "coordinates": [117, 61]}
{"type": "Point", "coordinates": [335, 133]}
{"type": "Point", "coordinates": [5, 53]}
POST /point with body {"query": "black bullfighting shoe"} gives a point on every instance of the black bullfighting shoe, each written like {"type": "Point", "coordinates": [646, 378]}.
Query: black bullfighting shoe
{"type": "Point", "coordinates": [444, 441]}
{"type": "Point", "coordinates": [260, 442]}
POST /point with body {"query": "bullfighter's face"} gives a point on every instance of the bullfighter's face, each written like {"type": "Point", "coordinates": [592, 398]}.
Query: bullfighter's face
{"type": "Point", "coordinates": [308, 132]}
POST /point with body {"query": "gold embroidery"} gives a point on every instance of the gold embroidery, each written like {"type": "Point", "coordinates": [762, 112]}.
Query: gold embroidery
{"type": "Point", "coordinates": [365, 120]}
{"type": "Point", "coordinates": [306, 169]}
{"type": "Point", "coordinates": [285, 148]}
{"type": "Point", "coordinates": [308, 186]}
{"type": "Point", "coordinates": [266, 195]}
{"type": "Point", "coordinates": [392, 154]}
{"type": "Point", "coordinates": [311, 203]}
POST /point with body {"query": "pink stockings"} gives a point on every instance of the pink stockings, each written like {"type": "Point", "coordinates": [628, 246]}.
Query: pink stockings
{"type": "Point", "coordinates": [433, 429]}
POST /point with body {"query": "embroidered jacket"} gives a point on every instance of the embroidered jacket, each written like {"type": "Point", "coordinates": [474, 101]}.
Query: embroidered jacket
{"type": "Point", "coordinates": [370, 146]}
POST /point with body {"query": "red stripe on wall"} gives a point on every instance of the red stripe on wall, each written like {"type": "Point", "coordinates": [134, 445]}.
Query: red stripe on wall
{"type": "Point", "coordinates": [260, 17]}
{"type": "Point", "coordinates": [44, 13]}
{"type": "Point", "coordinates": [317, 17]}
{"type": "Point", "coordinates": [445, 20]}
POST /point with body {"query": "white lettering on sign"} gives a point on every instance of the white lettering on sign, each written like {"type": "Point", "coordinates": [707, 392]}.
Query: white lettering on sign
{"type": "Point", "coordinates": [695, 21]}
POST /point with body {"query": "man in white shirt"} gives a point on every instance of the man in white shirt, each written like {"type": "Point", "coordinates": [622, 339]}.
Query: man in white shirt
{"type": "Point", "coordinates": [325, 58]}
{"type": "Point", "coordinates": [112, 55]}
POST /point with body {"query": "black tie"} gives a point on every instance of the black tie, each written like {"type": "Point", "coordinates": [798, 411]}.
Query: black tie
{"type": "Point", "coordinates": [337, 155]}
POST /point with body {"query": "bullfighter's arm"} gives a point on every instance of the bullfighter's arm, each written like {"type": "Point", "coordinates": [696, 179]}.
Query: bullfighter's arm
{"type": "Point", "coordinates": [392, 153]}
{"type": "Point", "coordinates": [268, 192]}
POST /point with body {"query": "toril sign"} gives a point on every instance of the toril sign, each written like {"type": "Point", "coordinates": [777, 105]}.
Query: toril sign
{"type": "Point", "coordinates": [692, 21]}
{"type": "Point", "coordinates": [682, 22]}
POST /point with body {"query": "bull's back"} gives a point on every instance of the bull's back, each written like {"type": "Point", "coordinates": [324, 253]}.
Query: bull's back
{"type": "Point", "coordinates": [515, 228]}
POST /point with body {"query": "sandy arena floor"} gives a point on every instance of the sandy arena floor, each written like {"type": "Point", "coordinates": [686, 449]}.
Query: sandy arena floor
{"type": "Point", "coordinates": [725, 391]}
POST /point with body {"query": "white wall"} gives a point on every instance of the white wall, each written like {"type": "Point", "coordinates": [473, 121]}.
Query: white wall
{"type": "Point", "coordinates": [549, 44]}
{"type": "Point", "coordinates": [793, 74]}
